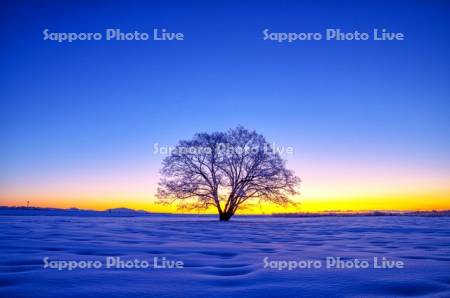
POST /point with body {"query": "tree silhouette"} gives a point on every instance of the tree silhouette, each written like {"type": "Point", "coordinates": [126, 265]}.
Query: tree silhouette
{"type": "Point", "coordinates": [225, 171]}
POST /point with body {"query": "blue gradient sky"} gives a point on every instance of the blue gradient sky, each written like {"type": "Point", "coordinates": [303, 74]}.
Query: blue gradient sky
{"type": "Point", "coordinates": [79, 119]}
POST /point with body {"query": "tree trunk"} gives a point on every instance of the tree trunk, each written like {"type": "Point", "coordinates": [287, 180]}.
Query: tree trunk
{"type": "Point", "coordinates": [225, 216]}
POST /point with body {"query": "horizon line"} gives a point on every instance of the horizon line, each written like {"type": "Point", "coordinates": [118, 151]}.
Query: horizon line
{"type": "Point", "coordinates": [331, 211]}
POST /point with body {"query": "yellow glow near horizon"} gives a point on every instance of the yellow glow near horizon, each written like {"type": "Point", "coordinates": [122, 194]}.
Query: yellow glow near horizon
{"type": "Point", "coordinates": [320, 191]}
{"type": "Point", "coordinates": [423, 201]}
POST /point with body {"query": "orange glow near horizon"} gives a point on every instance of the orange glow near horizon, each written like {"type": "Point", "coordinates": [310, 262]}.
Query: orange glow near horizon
{"type": "Point", "coordinates": [377, 189]}
{"type": "Point", "coordinates": [405, 202]}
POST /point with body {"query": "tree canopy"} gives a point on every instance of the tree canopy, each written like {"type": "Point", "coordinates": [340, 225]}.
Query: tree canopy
{"type": "Point", "coordinates": [225, 171]}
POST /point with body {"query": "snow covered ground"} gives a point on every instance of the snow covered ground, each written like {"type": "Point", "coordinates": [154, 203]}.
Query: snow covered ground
{"type": "Point", "coordinates": [224, 259]}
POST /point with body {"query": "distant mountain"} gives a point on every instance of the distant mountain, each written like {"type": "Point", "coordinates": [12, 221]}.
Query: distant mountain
{"type": "Point", "coordinates": [23, 210]}
{"type": "Point", "coordinates": [125, 210]}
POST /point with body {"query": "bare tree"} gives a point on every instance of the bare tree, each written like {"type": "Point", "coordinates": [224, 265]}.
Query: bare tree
{"type": "Point", "coordinates": [225, 171]}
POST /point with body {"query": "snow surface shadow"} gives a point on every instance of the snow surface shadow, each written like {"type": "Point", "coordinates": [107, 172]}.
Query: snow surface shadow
{"type": "Point", "coordinates": [224, 259]}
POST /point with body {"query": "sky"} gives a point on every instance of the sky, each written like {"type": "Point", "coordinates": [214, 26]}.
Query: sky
{"type": "Point", "coordinates": [368, 120]}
